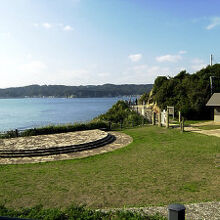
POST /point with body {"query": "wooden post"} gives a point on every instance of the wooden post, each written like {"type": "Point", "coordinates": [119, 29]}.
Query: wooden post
{"type": "Point", "coordinates": [121, 124]}
{"type": "Point", "coordinates": [153, 118]}
{"type": "Point", "coordinates": [179, 116]}
{"type": "Point", "coordinates": [182, 124]}
{"type": "Point", "coordinates": [167, 119]}
{"type": "Point", "coordinates": [16, 132]}
{"type": "Point", "coordinates": [159, 119]}
{"type": "Point", "coordinates": [109, 125]}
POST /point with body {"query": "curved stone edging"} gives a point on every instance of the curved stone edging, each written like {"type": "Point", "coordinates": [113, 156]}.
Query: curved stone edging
{"type": "Point", "coordinates": [121, 140]}
{"type": "Point", "coordinates": [56, 149]}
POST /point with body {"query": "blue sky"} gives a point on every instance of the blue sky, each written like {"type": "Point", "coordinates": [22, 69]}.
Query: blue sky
{"type": "Point", "coordinates": [81, 42]}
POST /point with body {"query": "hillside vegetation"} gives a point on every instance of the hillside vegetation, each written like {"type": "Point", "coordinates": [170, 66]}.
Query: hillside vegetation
{"type": "Point", "coordinates": [189, 93]}
{"type": "Point", "coordinates": [121, 113]}
{"type": "Point", "coordinates": [106, 90]}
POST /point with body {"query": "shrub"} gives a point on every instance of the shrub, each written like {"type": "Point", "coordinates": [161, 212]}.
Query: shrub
{"type": "Point", "coordinates": [121, 113]}
{"type": "Point", "coordinates": [74, 212]}
{"type": "Point", "coordinates": [54, 129]}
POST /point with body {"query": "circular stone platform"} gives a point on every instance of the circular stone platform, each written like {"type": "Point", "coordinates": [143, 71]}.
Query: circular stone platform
{"type": "Point", "coordinates": [62, 146]}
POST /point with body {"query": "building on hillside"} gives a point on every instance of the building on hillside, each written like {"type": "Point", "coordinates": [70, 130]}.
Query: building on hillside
{"type": "Point", "coordinates": [214, 101]}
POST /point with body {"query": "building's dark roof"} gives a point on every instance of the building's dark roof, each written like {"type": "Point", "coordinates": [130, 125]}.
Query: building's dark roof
{"type": "Point", "coordinates": [214, 100]}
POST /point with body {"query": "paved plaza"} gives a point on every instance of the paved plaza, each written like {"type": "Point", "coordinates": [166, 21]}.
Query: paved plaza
{"type": "Point", "coordinates": [64, 139]}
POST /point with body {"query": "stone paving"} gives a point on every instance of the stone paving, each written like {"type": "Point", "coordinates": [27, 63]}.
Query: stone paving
{"type": "Point", "coordinates": [196, 211]}
{"type": "Point", "coordinates": [122, 140]}
{"type": "Point", "coordinates": [52, 140]}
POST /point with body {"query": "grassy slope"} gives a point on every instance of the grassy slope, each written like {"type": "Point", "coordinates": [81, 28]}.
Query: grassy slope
{"type": "Point", "coordinates": [161, 166]}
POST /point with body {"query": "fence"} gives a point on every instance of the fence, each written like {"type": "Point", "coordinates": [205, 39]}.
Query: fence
{"type": "Point", "coordinates": [157, 117]}
{"type": "Point", "coordinates": [144, 111]}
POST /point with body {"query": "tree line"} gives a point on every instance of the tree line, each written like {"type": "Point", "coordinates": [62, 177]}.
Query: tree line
{"type": "Point", "coordinates": [189, 93]}
{"type": "Point", "coordinates": [106, 90]}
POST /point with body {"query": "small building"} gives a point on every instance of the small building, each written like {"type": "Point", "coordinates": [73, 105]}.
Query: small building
{"type": "Point", "coordinates": [214, 101]}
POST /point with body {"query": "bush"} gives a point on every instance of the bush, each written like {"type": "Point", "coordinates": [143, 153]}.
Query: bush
{"type": "Point", "coordinates": [121, 113]}
{"type": "Point", "coordinates": [73, 212]}
{"type": "Point", "coordinates": [65, 128]}
{"type": "Point", "coordinates": [54, 129]}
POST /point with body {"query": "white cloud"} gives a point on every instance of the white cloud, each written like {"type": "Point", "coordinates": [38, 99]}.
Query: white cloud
{"type": "Point", "coordinates": [47, 25]}
{"type": "Point", "coordinates": [182, 52]}
{"type": "Point", "coordinates": [169, 58]}
{"type": "Point", "coordinates": [36, 25]}
{"type": "Point", "coordinates": [29, 56]}
{"type": "Point", "coordinates": [142, 74]}
{"type": "Point", "coordinates": [5, 34]}
{"type": "Point", "coordinates": [68, 28]}
{"type": "Point", "coordinates": [58, 26]}
{"type": "Point", "coordinates": [135, 57]}
{"type": "Point", "coordinates": [197, 64]}
{"type": "Point", "coordinates": [103, 75]}
{"type": "Point", "coordinates": [214, 21]}
{"type": "Point", "coordinates": [33, 67]}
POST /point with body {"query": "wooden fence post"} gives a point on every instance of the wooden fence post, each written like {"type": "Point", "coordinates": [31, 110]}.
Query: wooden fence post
{"type": "Point", "coordinates": [153, 118]}
{"type": "Point", "coordinates": [109, 125]}
{"type": "Point", "coordinates": [121, 124]}
{"type": "Point", "coordinates": [16, 133]}
{"type": "Point", "coordinates": [159, 119]}
{"type": "Point", "coordinates": [182, 124]}
{"type": "Point", "coordinates": [179, 116]}
{"type": "Point", "coordinates": [167, 119]}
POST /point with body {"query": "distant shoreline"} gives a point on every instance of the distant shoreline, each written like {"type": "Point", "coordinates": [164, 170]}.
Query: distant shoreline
{"type": "Point", "coordinates": [45, 97]}
{"type": "Point", "coordinates": [61, 91]}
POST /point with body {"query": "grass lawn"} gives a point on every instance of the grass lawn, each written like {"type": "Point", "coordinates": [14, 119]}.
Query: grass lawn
{"type": "Point", "coordinates": [209, 127]}
{"type": "Point", "coordinates": [160, 167]}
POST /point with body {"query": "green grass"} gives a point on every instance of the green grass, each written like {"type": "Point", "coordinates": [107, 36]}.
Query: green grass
{"type": "Point", "coordinates": [160, 167]}
{"type": "Point", "coordinates": [195, 121]}
{"type": "Point", "coordinates": [209, 127]}
{"type": "Point", "coordinates": [75, 212]}
{"type": "Point", "coordinates": [187, 122]}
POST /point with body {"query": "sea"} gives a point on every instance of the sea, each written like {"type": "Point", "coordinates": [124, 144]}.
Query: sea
{"type": "Point", "coordinates": [27, 113]}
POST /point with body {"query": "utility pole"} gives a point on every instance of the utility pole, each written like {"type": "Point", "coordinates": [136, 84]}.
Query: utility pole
{"type": "Point", "coordinates": [211, 59]}
{"type": "Point", "coordinates": [211, 84]}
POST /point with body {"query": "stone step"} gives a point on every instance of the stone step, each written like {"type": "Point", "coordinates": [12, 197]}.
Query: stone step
{"type": "Point", "coordinates": [57, 150]}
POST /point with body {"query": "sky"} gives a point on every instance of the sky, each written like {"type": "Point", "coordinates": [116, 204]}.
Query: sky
{"type": "Point", "coordinates": [93, 42]}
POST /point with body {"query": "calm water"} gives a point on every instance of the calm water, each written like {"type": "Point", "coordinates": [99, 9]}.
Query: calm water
{"type": "Point", "coordinates": [35, 112]}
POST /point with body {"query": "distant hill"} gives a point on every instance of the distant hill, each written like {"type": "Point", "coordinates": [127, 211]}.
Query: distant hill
{"type": "Point", "coordinates": [106, 90]}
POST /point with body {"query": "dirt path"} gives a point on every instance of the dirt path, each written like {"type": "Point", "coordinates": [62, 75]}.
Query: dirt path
{"type": "Point", "coordinates": [213, 132]}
